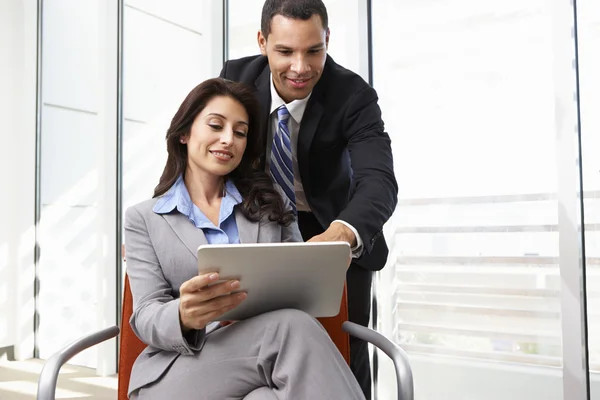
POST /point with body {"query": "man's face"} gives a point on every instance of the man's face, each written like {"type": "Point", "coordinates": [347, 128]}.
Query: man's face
{"type": "Point", "coordinates": [297, 51]}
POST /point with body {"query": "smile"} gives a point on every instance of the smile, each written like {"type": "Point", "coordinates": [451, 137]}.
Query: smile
{"type": "Point", "coordinates": [299, 83]}
{"type": "Point", "coordinates": [222, 155]}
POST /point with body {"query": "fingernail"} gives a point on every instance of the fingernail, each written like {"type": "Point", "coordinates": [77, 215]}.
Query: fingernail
{"type": "Point", "coordinates": [212, 277]}
{"type": "Point", "coordinates": [242, 296]}
{"type": "Point", "coordinates": [235, 284]}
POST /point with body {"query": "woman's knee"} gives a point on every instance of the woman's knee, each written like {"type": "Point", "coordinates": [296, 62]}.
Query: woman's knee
{"type": "Point", "coordinates": [296, 320]}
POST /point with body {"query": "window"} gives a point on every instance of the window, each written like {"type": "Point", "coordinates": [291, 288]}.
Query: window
{"type": "Point", "coordinates": [169, 48]}
{"type": "Point", "coordinates": [589, 82]}
{"type": "Point", "coordinates": [67, 305]}
{"type": "Point", "coordinates": [467, 92]}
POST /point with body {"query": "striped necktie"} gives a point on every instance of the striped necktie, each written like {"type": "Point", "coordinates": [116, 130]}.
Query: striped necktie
{"type": "Point", "coordinates": [281, 156]}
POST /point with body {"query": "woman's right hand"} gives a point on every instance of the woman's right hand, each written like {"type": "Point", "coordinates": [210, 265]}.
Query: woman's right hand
{"type": "Point", "coordinates": [199, 303]}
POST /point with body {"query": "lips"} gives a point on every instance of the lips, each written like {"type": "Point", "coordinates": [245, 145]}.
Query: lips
{"type": "Point", "coordinates": [222, 155]}
{"type": "Point", "coordinates": [299, 83]}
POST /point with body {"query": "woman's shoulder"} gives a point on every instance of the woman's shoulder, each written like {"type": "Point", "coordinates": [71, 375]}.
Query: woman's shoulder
{"type": "Point", "coordinates": [144, 208]}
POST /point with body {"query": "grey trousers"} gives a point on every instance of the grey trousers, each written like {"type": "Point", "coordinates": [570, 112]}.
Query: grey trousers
{"type": "Point", "coordinates": [284, 354]}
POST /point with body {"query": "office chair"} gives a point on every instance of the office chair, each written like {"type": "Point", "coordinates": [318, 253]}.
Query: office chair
{"type": "Point", "coordinates": [131, 346]}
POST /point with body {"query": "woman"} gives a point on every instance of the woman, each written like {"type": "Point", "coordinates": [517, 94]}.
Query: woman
{"type": "Point", "coordinates": [211, 191]}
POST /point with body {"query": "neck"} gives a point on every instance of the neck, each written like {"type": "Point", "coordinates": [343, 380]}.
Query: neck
{"type": "Point", "coordinates": [204, 188]}
{"type": "Point", "coordinates": [286, 101]}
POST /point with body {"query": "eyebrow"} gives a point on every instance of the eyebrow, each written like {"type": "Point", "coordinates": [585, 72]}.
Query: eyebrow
{"type": "Point", "coordinates": [313, 47]}
{"type": "Point", "coordinates": [222, 116]}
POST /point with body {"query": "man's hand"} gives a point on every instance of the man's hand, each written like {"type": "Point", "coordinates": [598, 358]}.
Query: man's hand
{"type": "Point", "coordinates": [337, 232]}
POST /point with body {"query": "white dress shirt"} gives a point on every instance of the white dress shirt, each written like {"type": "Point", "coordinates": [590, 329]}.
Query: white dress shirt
{"type": "Point", "coordinates": [296, 109]}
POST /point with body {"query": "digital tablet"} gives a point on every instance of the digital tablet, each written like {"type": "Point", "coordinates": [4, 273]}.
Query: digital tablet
{"type": "Point", "coordinates": [304, 276]}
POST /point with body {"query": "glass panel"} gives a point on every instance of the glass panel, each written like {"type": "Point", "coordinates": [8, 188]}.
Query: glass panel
{"type": "Point", "coordinates": [68, 232]}
{"type": "Point", "coordinates": [243, 24]}
{"type": "Point", "coordinates": [467, 93]}
{"type": "Point", "coordinates": [588, 13]}
{"type": "Point", "coordinates": [166, 52]}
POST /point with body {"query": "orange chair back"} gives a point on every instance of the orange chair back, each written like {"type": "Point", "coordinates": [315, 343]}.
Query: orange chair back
{"type": "Point", "coordinates": [131, 346]}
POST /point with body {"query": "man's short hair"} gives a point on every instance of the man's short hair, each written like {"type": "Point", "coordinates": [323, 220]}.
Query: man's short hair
{"type": "Point", "coordinates": [295, 9]}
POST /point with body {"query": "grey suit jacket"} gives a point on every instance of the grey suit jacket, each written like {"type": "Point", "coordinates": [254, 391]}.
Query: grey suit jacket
{"type": "Point", "coordinates": [161, 255]}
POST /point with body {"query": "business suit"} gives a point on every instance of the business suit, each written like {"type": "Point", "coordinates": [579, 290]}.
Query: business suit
{"type": "Point", "coordinates": [346, 169]}
{"type": "Point", "coordinates": [161, 255]}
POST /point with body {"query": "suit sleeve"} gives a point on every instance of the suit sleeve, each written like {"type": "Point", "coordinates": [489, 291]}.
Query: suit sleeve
{"type": "Point", "coordinates": [155, 318]}
{"type": "Point", "coordinates": [223, 73]}
{"type": "Point", "coordinates": [374, 192]}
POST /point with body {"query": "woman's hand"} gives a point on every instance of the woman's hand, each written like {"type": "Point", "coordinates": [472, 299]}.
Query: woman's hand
{"type": "Point", "coordinates": [200, 303]}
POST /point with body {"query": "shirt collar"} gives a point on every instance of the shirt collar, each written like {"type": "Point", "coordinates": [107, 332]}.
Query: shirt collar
{"type": "Point", "coordinates": [178, 197]}
{"type": "Point", "coordinates": [296, 108]}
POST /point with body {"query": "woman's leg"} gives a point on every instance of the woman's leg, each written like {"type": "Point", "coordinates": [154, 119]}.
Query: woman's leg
{"type": "Point", "coordinates": [264, 393]}
{"type": "Point", "coordinates": [287, 351]}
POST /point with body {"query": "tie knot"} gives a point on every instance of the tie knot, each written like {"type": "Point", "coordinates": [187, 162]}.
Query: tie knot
{"type": "Point", "coordinates": [283, 114]}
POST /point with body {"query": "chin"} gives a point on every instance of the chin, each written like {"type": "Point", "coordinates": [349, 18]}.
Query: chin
{"type": "Point", "coordinates": [296, 94]}
{"type": "Point", "coordinates": [223, 171]}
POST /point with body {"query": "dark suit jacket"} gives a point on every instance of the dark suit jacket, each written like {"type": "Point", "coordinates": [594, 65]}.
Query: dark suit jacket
{"type": "Point", "coordinates": [344, 154]}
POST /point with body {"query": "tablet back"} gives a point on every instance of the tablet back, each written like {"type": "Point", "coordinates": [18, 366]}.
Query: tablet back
{"type": "Point", "coordinates": [305, 276]}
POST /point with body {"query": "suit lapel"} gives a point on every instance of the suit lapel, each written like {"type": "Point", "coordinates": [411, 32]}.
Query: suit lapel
{"type": "Point", "coordinates": [308, 129]}
{"type": "Point", "coordinates": [193, 237]}
{"type": "Point", "coordinates": [186, 231]}
{"type": "Point", "coordinates": [247, 229]}
{"type": "Point", "coordinates": [310, 121]}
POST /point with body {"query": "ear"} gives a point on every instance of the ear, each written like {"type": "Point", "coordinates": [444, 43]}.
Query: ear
{"type": "Point", "coordinates": [262, 43]}
{"type": "Point", "coordinates": [327, 39]}
{"type": "Point", "coordinates": [183, 139]}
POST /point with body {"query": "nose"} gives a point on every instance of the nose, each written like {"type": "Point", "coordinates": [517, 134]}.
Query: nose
{"type": "Point", "coordinates": [227, 136]}
{"type": "Point", "coordinates": [299, 65]}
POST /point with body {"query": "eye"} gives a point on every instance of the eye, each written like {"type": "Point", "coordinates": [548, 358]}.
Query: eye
{"type": "Point", "coordinates": [241, 134]}
{"type": "Point", "coordinates": [314, 51]}
{"type": "Point", "coordinates": [284, 52]}
{"type": "Point", "coordinates": [215, 127]}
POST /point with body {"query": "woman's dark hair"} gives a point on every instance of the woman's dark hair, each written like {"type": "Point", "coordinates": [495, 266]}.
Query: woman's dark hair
{"type": "Point", "coordinates": [294, 9]}
{"type": "Point", "coordinates": [258, 192]}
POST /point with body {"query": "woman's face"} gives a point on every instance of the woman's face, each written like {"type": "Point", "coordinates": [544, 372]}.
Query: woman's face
{"type": "Point", "coordinates": [218, 137]}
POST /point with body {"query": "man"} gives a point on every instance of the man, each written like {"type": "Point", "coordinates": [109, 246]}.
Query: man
{"type": "Point", "coordinates": [325, 145]}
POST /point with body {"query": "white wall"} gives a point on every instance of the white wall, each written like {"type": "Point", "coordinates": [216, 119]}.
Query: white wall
{"type": "Point", "coordinates": [17, 174]}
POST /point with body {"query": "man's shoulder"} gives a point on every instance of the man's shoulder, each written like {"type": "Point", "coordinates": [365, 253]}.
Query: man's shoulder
{"type": "Point", "coordinates": [245, 69]}
{"type": "Point", "coordinates": [341, 75]}
{"type": "Point", "coordinates": [342, 83]}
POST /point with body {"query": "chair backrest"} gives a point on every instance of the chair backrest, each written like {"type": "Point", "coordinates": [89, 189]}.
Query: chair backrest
{"type": "Point", "coordinates": [131, 346]}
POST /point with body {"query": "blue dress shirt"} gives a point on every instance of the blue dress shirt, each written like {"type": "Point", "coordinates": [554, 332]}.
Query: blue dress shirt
{"type": "Point", "coordinates": [178, 197]}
